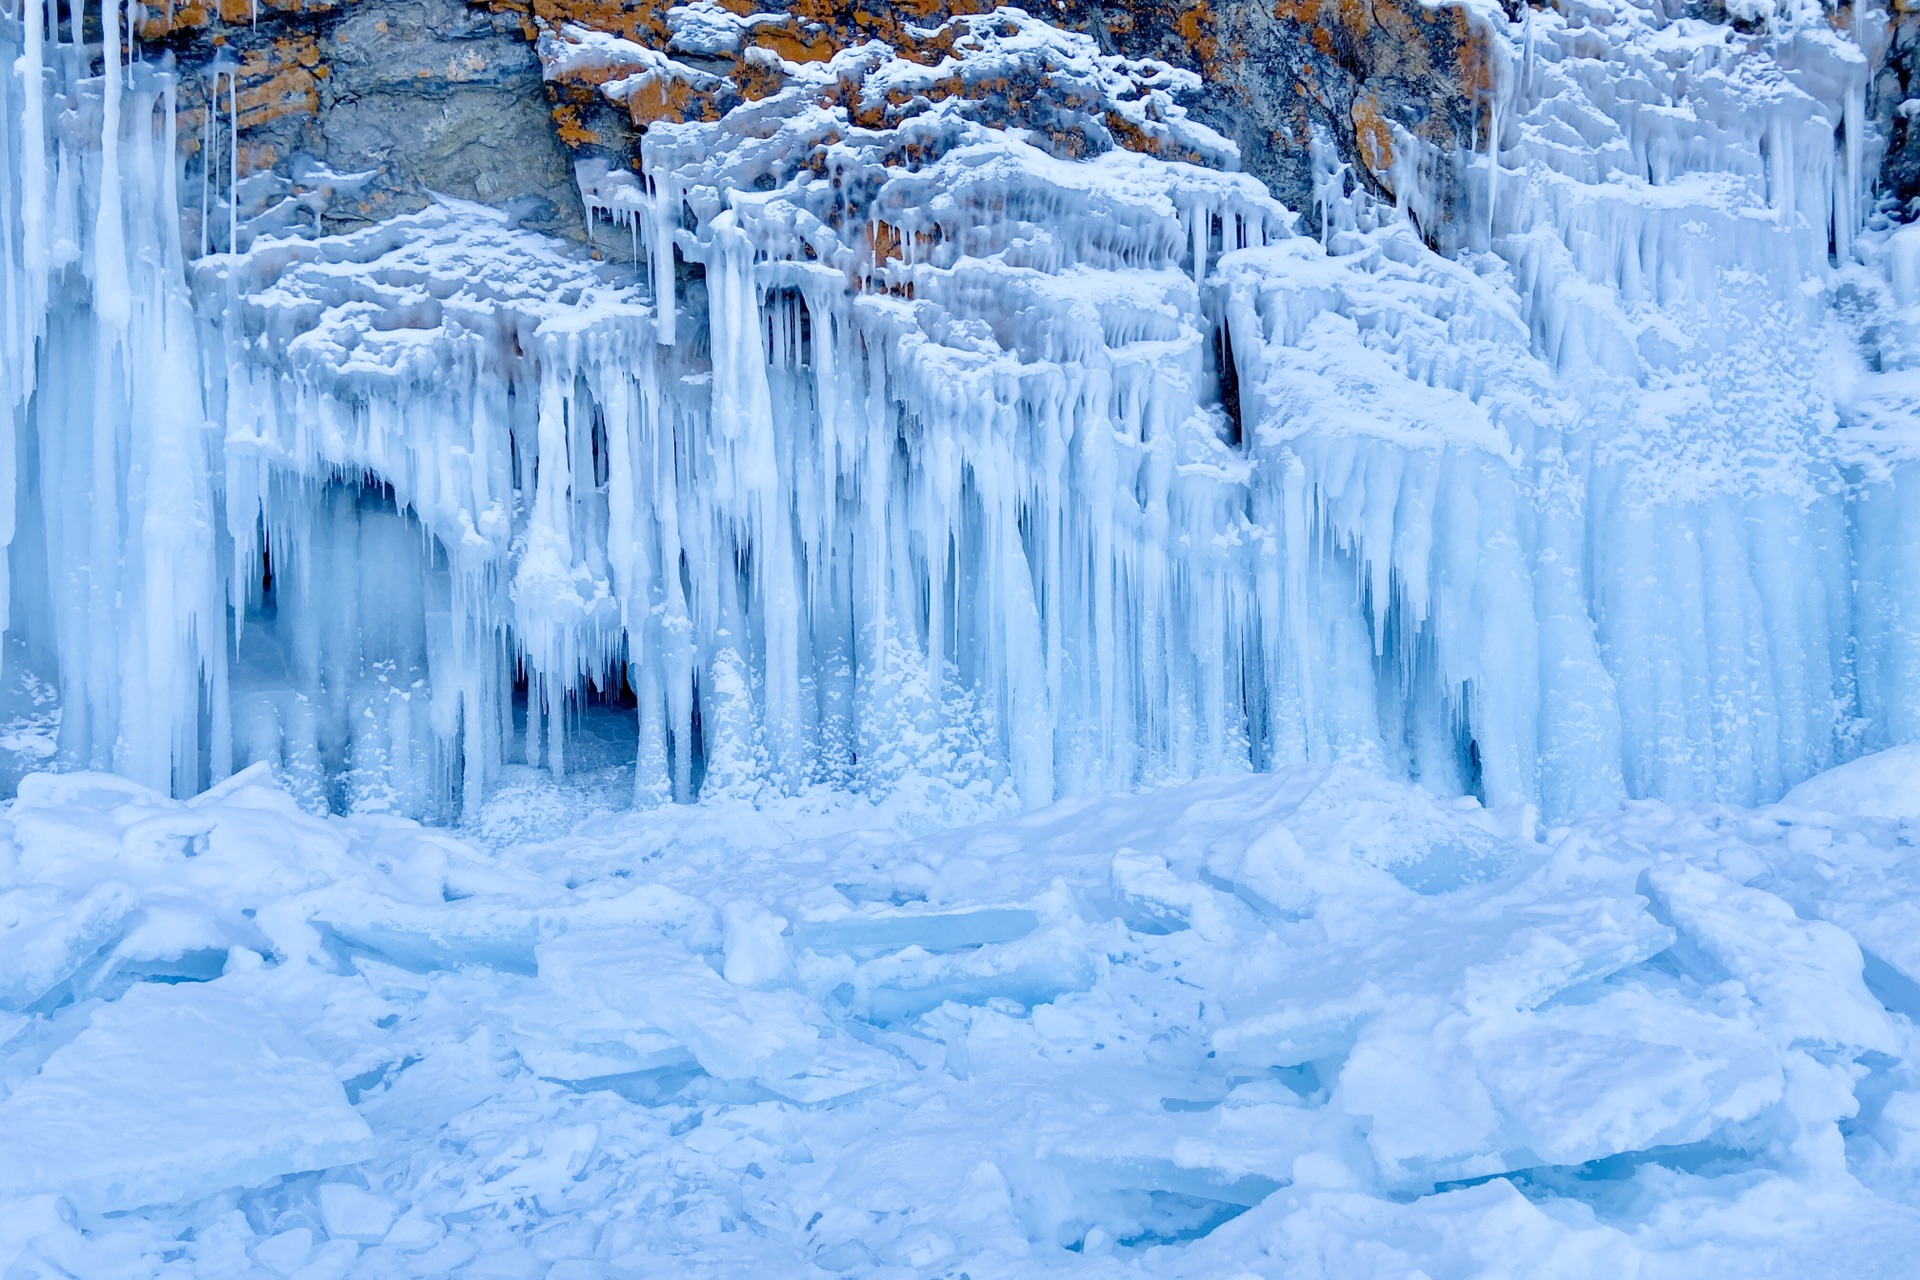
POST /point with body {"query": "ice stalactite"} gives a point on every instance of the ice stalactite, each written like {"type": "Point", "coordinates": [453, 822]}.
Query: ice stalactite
{"type": "Point", "coordinates": [917, 367]}
{"type": "Point", "coordinates": [1664, 519]}
{"type": "Point", "coordinates": [1880, 446]}
{"type": "Point", "coordinates": [475, 378]}
{"type": "Point", "coordinates": [1557, 523]}
{"type": "Point", "coordinates": [24, 251]}
{"type": "Point", "coordinates": [1030, 451]}
{"type": "Point", "coordinates": [114, 573]}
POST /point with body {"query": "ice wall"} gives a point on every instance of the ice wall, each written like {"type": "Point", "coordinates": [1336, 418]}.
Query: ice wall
{"type": "Point", "coordinates": [971, 415]}
{"type": "Point", "coordinates": [110, 475]}
{"type": "Point", "coordinates": [477, 379]}
{"type": "Point", "coordinates": [1629, 532]}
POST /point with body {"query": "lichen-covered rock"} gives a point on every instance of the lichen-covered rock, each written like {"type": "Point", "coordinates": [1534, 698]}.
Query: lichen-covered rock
{"type": "Point", "coordinates": [447, 95]}
{"type": "Point", "coordinates": [444, 96]}
{"type": "Point", "coordinates": [403, 98]}
{"type": "Point", "coordinates": [1269, 78]}
{"type": "Point", "coordinates": [1895, 104]}
{"type": "Point", "coordinates": [1277, 73]}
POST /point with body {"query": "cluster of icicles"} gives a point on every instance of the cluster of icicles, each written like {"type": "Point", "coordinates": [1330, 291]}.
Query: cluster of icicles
{"type": "Point", "coordinates": [921, 449]}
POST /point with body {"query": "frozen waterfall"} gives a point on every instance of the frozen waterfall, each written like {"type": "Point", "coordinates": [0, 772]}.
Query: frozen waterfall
{"type": "Point", "coordinates": [917, 439]}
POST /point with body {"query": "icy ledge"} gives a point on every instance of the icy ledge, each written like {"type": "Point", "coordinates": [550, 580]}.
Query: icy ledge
{"type": "Point", "coordinates": [1308, 1023]}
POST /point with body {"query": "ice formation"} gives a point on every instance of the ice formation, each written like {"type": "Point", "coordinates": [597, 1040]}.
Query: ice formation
{"type": "Point", "coordinates": [972, 414]}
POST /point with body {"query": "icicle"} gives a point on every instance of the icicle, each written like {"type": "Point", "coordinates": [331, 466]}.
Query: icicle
{"type": "Point", "coordinates": [233, 158]}
{"type": "Point", "coordinates": [112, 299]}
{"type": "Point", "coordinates": [1493, 162]}
{"type": "Point", "coordinates": [33, 173]}
{"type": "Point", "coordinates": [1853, 141]}
{"type": "Point", "coordinates": [662, 212]}
{"type": "Point", "coordinates": [206, 158]}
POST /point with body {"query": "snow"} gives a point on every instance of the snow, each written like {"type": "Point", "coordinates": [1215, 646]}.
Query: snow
{"type": "Point", "coordinates": [1309, 1022]}
{"type": "Point", "coordinates": [1885, 785]}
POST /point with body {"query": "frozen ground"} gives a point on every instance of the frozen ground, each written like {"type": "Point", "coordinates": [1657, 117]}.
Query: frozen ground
{"type": "Point", "coordinates": [1312, 1023]}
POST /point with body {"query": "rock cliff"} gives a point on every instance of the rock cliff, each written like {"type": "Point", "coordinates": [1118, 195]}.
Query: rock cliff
{"type": "Point", "coordinates": [437, 95]}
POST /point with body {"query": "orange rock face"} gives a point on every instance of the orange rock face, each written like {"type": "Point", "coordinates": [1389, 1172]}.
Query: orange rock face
{"type": "Point", "coordinates": [1275, 74]}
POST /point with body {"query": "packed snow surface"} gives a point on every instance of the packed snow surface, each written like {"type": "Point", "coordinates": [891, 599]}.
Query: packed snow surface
{"type": "Point", "coordinates": [1309, 1023]}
